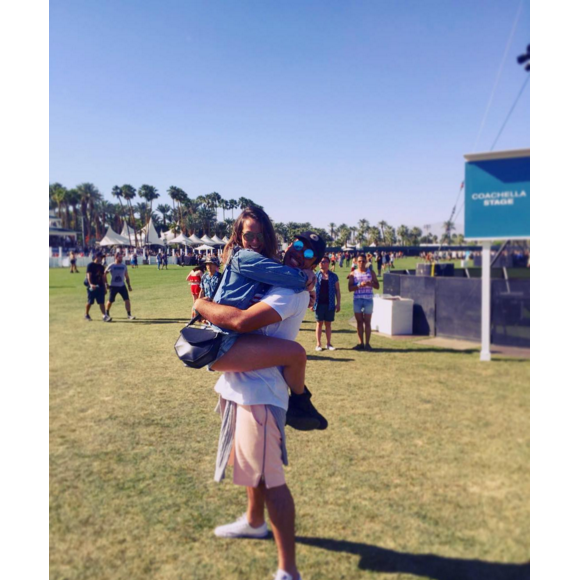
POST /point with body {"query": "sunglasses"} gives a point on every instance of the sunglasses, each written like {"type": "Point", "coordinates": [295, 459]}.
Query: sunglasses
{"type": "Point", "coordinates": [299, 247]}
{"type": "Point", "coordinates": [251, 236]}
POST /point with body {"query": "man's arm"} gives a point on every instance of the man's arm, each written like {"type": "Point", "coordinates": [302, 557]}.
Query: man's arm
{"type": "Point", "coordinates": [128, 281]}
{"type": "Point", "coordinates": [232, 318]}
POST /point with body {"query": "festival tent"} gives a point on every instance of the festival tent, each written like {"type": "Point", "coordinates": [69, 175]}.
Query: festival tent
{"type": "Point", "coordinates": [113, 239]}
{"type": "Point", "coordinates": [168, 235]}
{"type": "Point", "coordinates": [195, 239]}
{"type": "Point", "coordinates": [129, 233]}
{"type": "Point", "coordinates": [205, 248]}
{"type": "Point", "coordinates": [181, 239]}
{"type": "Point", "coordinates": [206, 240]}
{"type": "Point", "coordinates": [217, 241]}
{"type": "Point", "coordinates": [150, 234]}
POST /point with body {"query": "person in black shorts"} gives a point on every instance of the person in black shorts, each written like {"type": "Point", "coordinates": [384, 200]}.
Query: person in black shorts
{"type": "Point", "coordinates": [118, 272]}
{"type": "Point", "coordinates": [95, 283]}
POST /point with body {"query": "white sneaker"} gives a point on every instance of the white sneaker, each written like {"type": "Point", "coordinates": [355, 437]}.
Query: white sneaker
{"type": "Point", "coordinates": [330, 347]}
{"type": "Point", "coordinates": [130, 317]}
{"type": "Point", "coordinates": [241, 529]}
{"type": "Point", "coordinates": [107, 318]}
{"type": "Point", "coordinates": [318, 349]}
{"type": "Point", "coordinates": [283, 575]}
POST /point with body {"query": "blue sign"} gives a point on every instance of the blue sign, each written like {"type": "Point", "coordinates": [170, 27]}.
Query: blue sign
{"type": "Point", "coordinates": [497, 195]}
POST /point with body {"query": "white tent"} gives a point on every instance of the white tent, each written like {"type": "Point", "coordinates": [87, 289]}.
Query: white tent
{"type": "Point", "coordinates": [181, 239]}
{"type": "Point", "coordinates": [217, 241]}
{"type": "Point", "coordinates": [195, 239]}
{"type": "Point", "coordinates": [205, 248]}
{"type": "Point", "coordinates": [150, 234]}
{"type": "Point", "coordinates": [206, 240]}
{"type": "Point", "coordinates": [168, 235]}
{"type": "Point", "coordinates": [113, 239]}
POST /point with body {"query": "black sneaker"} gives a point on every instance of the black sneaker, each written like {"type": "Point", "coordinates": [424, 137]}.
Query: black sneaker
{"type": "Point", "coordinates": [302, 414]}
{"type": "Point", "coordinates": [358, 347]}
{"type": "Point", "coordinates": [87, 318]}
{"type": "Point", "coordinates": [368, 347]}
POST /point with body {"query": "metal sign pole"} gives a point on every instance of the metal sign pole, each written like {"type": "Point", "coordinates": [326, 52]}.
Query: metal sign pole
{"type": "Point", "coordinates": [485, 302]}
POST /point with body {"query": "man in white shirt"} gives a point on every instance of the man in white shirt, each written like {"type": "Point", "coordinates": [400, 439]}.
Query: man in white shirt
{"type": "Point", "coordinates": [254, 408]}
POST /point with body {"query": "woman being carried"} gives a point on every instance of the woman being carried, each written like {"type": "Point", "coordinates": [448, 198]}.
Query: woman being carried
{"type": "Point", "coordinates": [251, 269]}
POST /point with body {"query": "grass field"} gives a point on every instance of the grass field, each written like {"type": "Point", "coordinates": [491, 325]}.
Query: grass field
{"type": "Point", "coordinates": [423, 472]}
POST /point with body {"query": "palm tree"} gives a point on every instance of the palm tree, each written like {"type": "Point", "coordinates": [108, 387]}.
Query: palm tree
{"type": "Point", "coordinates": [148, 193]}
{"type": "Point", "coordinates": [128, 192]}
{"type": "Point", "coordinates": [414, 235]}
{"type": "Point", "coordinates": [233, 204]}
{"type": "Point", "coordinates": [89, 196]}
{"type": "Point", "coordinates": [382, 225]}
{"type": "Point", "coordinates": [57, 193]}
{"type": "Point", "coordinates": [374, 235]}
{"type": "Point", "coordinates": [73, 199]}
{"type": "Point", "coordinates": [52, 187]}
{"type": "Point", "coordinates": [164, 210]}
{"type": "Point", "coordinates": [178, 195]}
{"type": "Point", "coordinates": [403, 234]}
{"type": "Point", "coordinates": [332, 227]}
{"type": "Point", "coordinates": [390, 236]}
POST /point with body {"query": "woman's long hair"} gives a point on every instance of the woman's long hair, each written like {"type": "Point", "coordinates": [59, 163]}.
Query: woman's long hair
{"type": "Point", "coordinates": [270, 243]}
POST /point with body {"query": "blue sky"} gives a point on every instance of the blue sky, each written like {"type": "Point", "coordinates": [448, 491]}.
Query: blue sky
{"type": "Point", "coordinates": [321, 111]}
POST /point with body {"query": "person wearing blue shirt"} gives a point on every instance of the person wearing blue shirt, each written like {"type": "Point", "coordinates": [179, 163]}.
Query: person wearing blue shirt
{"type": "Point", "coordinates": [327, 302]}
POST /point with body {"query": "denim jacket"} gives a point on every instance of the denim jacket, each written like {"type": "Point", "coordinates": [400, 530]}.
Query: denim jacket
{"type": "Point", "coordinates": [332, 280]}
{"type": "Point", "coordinates": [248, 273]}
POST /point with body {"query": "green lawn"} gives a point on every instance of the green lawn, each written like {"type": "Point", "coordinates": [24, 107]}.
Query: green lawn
{"type": "Point", "coordinates": [423, 472]}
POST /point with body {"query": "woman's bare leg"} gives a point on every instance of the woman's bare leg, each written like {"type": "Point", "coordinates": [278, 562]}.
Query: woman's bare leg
{"type": "Point", "coordinates": [318, 333]}
{"type": "Point", "coordinates": [252, 352]}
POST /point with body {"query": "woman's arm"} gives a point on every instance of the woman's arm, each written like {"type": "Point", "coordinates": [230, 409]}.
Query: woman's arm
{"type": "Point", "coordinates": [267, 271]}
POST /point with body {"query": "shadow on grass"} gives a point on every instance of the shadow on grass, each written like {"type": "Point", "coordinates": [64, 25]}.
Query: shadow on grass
{"type": "Point", "coordinates": [333, 331]}
{"type": "Point", "coordinates": [152, 320]}
{"type": "Point", "coordinates": [378, 559]}
{"type": "Point", "coordinates": [332, 358]}
{"type": "Point", "coordinates": [420, 350]}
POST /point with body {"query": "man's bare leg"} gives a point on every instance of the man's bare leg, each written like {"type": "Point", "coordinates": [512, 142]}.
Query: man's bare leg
{"type": "Point", "coordinates": [280, 506]}
{"type": "Point", "coordinates": [256, 503]}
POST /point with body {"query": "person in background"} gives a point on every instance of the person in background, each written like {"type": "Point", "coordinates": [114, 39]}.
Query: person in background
{"type": "Point", "coordinates": [194, 280]}
{"type": "Point", "coordinates": [119, 274]}
{"type": "Point", "coordinates": [327, 303]}
{"type": "Point", "coordinates": [159, 259]}
{"type": "Point", "coordinates": [134, 259]}
{"type": "Point", "coordinates": [332, 262]}
{"type": "Point", "coordinates": [211, 279]}
{"type": "Point", "coordinates": [73, 262]}
{"type": "Point", "coordinates": [95, 283]}
{"type": "Point", "coordinates": [362, 281]}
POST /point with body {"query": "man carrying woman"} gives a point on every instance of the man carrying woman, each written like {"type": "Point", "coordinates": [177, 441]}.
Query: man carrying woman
{"type": "Point", "coordinates": [254, 402]}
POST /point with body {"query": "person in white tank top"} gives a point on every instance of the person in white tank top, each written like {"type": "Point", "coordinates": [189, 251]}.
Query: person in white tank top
{"type": "Point", "coordinates": [362, 281]}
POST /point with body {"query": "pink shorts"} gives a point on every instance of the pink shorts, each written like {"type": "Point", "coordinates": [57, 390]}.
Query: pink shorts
{"type": "Point", "coordinates": [257, 449]}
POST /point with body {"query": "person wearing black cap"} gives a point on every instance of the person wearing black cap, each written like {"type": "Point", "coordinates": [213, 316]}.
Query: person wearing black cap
{"type": "Point", "coordinates": [258, 399]}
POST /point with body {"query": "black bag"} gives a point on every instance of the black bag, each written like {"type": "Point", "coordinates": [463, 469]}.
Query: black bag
{"type": "Point", "coordinates": [198, 347]}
